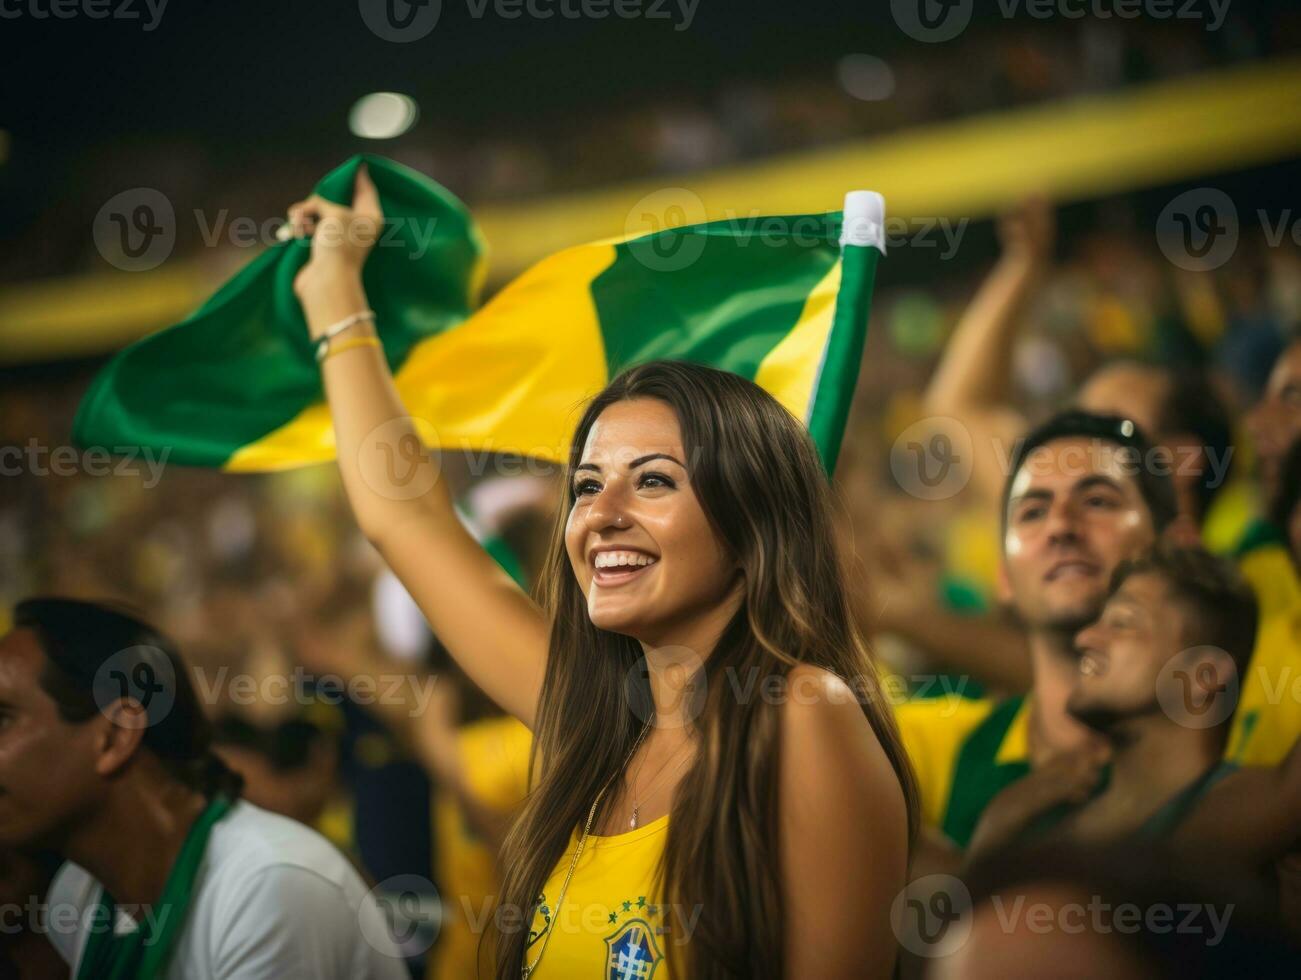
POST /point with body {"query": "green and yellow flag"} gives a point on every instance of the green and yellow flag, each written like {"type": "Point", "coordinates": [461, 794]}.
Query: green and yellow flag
{"type": "Point", "coordinates": [780, 300]}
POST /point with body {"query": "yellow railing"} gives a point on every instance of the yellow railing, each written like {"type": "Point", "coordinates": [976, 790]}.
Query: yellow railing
{"type": "Point", "coordinates": [1086, 147]}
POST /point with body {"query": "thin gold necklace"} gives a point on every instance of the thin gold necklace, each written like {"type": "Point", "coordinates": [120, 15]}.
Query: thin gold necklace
{"type": "Point", "coordinates": [636, 807]}
{"type": "Point", "coordinates": [527, 968]}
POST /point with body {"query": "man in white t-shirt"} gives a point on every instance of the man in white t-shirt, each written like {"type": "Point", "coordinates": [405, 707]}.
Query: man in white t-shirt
{"type": "Point", "coordinates": [105, 759]}
{"type": "Point", "coordinates": [273, 899]}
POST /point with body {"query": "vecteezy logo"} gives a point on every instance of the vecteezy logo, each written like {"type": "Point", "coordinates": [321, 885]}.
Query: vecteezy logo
{"type": "Point", "coordinates": [1207, 221]}
{"type": "Point", "coordinates": [410, 921]}
{"type": "Point", "coordinates": [142, 221]}
{"type": "Point", "coordinates": [679, 673]}
{"type": "Point", "coordinates": [1193, 693]}
{"type": "Point", "coordinates": [1198, 230]}
{"type": "Point", "coordinates": [398, 463]}
{"type": "Point", "coordinates": [653, 224]}
{"type": "Point", "coordinates": [143, 674]}
{"type": "Point", "coordinates": [143, 679]}
{"type": "Point", "coordinates": [404, 19]}
{"type": "Point", "coordinates": [931, 916]}
{"type": "Point", "coordinates": [403, 462]}
{"type": "Point", "coordinates": [1208, 687]}
{"type": "Point", "coordinates": [401, 21]}
{"type": "Point", "coordinates": [932, 458]}
{"type": "Point", "coordinates": [941, 448]}
{"type": "Point", "coordinates": [932, 21]}
{"type": "Point", "coordinates": [135, 231]}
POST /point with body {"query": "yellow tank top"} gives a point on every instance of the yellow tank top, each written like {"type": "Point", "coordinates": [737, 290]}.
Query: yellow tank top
{"type": "Point", "coordinates": [611, 925]}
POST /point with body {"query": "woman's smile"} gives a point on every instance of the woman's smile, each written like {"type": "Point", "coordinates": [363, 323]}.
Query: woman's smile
{"type": "Point", "coordinates": [613, 567]}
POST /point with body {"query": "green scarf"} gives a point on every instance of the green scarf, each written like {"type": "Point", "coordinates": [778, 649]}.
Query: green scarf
{"type": "Point", "coordinates": [143, 954]}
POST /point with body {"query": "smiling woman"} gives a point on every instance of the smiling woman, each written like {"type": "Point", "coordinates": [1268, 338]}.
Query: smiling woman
{"type": "Point", "coordinates": [692, 567]}
{"type": "Point", "coordinates": [637, 537]}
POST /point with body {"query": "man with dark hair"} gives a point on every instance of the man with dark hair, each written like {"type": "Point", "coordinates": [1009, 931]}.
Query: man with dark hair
{"type": "Point", "coordinates": [106, 760]}
{"type": "Point", "coordinates": [1082, 495]}
{"type": "Point", "coordinates": [1255, 814]}
{"type": "Point", "coordinates": [1177, 407]}
{"type": "Point", "coordinates": [1158, 679]}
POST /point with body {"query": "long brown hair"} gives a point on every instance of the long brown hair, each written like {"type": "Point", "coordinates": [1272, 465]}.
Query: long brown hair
{"type": "Point", "coordinates": [761, 485]}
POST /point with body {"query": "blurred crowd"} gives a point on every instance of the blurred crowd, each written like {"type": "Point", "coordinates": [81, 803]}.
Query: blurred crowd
{"type": "Point", "coordinates": [266, 579]}
{"type": "Point", "coordinates": [341, 710]}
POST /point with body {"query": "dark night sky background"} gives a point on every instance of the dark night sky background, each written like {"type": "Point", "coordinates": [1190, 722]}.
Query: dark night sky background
{"type": "Point", "coordinates": [275, 71]}
{"type": "Point", "coordinates": [233, 83]}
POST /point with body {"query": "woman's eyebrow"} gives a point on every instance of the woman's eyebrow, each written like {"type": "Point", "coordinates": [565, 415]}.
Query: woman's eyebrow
{"type": "Point", "coordinates": [635, 463]}
{"type": "Point", "coordinates": [649, 456]}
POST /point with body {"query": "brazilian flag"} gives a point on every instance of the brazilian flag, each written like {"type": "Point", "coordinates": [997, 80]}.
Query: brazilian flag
{"type": "Point", "coordinates": [780, 300]}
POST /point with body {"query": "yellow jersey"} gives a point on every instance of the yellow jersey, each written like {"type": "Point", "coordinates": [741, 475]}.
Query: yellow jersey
{"type": "Point", "coordinates": [611, 923]}
{"type": "Point", "coordinates": [1268, 719]}
{"type": "Point", "coordinates": [963, 752]}
{"type": "Point", "coordinates": [1268, 568]}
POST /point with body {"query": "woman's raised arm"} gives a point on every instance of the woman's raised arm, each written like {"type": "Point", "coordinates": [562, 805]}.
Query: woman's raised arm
{"type": "Point", "coordinates": [493, 629]}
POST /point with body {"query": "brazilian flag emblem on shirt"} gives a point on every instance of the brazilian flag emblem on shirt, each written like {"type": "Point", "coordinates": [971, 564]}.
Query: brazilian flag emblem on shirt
{"type": "Point", "coordinates": [782, 301]}
{"type": "Point", "coordinates": [631, 952]}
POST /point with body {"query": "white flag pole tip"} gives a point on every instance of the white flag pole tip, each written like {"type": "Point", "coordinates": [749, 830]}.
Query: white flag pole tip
{"type": "Point", "coordinates": [864, 220]}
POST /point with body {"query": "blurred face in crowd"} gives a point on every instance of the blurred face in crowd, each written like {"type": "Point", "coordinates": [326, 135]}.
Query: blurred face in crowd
{"type": "Point", "coordinates": [1139, 393]}
{"type": "Point", "coordinates": [1073, 514]}
{"type": "Point", "coordinates": [1132, 391]}
{"type": "Point", "coordinates": [48, 766]}
{"type": "Point", "coordinates": [638, 540]}
{"type": "Point", "coordinates": [1275, 422]}
{"type": "Point", "coordinates": [1122, 655]}
{"type": "Point", "coordinates": [1188, 468]}
{"type": "Point", "coordinates": [301, 792]}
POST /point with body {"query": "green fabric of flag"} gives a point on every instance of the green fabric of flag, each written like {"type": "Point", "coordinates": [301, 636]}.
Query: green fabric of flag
{"type": "Point", "coordinates": [781, 300]}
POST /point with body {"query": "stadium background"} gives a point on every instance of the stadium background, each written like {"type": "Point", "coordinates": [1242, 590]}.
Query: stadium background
{"type": "Point", "coordinates": [552, 131]}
